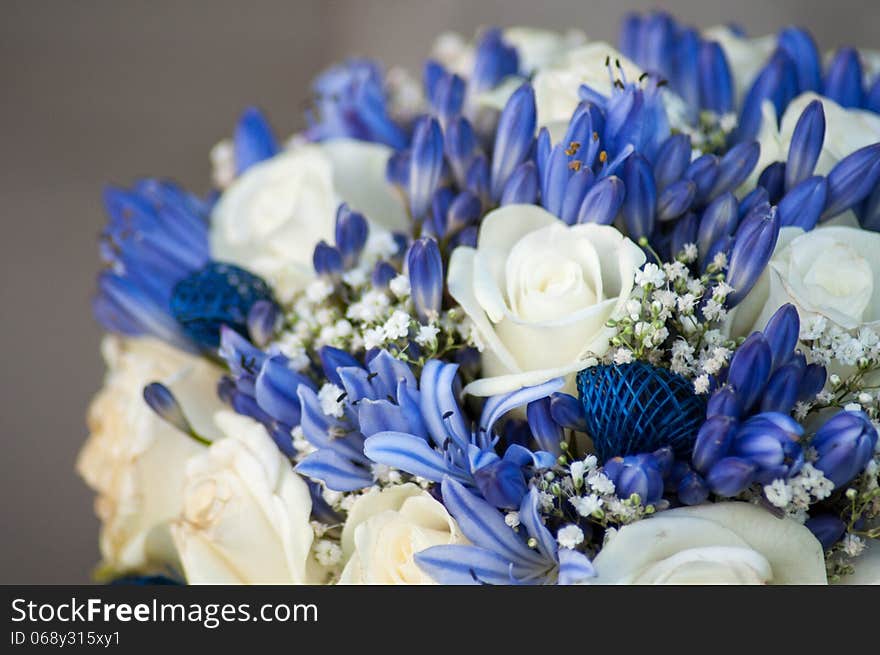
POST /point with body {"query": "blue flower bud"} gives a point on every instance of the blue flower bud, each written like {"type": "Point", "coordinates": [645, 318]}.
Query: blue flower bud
{"type": "Point", "coordinates": [802, 50]}
{"type": "Point", "coordinates": [719, 220]}
{"type": "Point", "coordinates": [765, 438]}
{"type": "Point", "coordinates": [684, 232]}
{"type": "Point", "coordinates": [812, 382]}
{"type": "Point", "coordinates": [735, 167]}
{"type": "Point", "coordinates": [872, 101]}
{"type": "Point", "coordinates": [755, 198]}
{"type": "Point", "coordinates": [521, 186]}
{"type": "Point", "coordinates": [730, 476]}
{"type": "Point", "coordinates": [383, 273]}
{"type": "Point", "coordinates": [160, 399]}
{"type": "Point", "coordinates": [724, 402]}
{"type": "Point", "coordinates": [568, 412]}
{"type": "Point", "coordinates": [827, 528]}
{"type": "Point", "coordinates": [802, 206]}
{"type": "Point", "coordinates": [852, 179]}
{"type": "Point", "coordinates": [754, 245]}
{"type": "Point", "coordinates": [446, 94]}
{"type": "Point", "coordinates": [460, 146]}
{"type": "Point", "coordinates": [555, 175]}
{"type": "Point", "coordinates": [692, 489]}
{"type": "Point", "coordinates": [477, 178]}
{"type": "Point", "coordinates": [782, 332]}
{"type": "Point", "coordinates": [777, 82]}
{"type": "Point", "coordinates": [494, 59]}
{"type": "Point", "coordinates": [514, 137]}
{"type": "Point", "coordinates": [397, 168]}
{"type": "Point", "coordinates": [676, 199]}
{"type": "Point", "coordinates": [263, 320]}
{"type": "Point", "coordinates": [425, 267]}
{"type": "Point", "coordinates": [327, 259]}
{"type": "Point", "coordinates": [253, 141]}
{"type": "Point", "coordinates": [602, 202]}
{"type": "Point", "coordinates": [772, 179]}
{"type": "Point", "coordinates": [716, 82]}
{"type": "Point", "coordinates": [845, 444]}
{"type": "Point", "coordinates": [333, 359]}
{"type": "Point", "coordinates": [703, 171]}
{"type": "Point", "coordinates": [672, 160]}
{"type": "Point", "coordinates": [806, 144]}
{"type": "Point", "coordinates": [501, 483]}
{"type": "Point", "coordinates": [276, 390]}
{"type": "Point", "coordinates": [635, 474]}
{"type": "Point", "coordinates": [351, 234]}
{"type": "Point", "coordinates": [714, 441]}
{"type": "Point", "coordinates": [750, 369]}
{"type": "Point", "coordinates": [843, 81]}
{"type": "Point", "coordinates": [426, 165]}
{"type": "Point", "coordinates": [546, 431]}
{"type": "Point", "coordinates": [640, 202]}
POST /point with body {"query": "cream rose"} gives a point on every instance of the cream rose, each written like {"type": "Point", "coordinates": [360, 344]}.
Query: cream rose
{"type": "Point", "coordinates": [245, 517]}
{"type": "Point", "coordinates": [846, 130]}
{"type": "Point", "coordinates": [832, 271]}
{"type": "Point", "coordinates": [745, 56]}
{"type": "Point", "coordinates": [384, 531]}
{"type": "Point", "coordinates": [133, 459]}
{"type": "Point", "coordinates": [722, 543]}
{"type": "Point", "coordinates": [540, 293]}
{"type": "Point", "coordinates": [271, 218]}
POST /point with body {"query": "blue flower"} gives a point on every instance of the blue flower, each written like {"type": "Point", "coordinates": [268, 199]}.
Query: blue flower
{"type": "Point", "coordinates": [157, 235]}
{"type": "Point", "coordinates": [498, 555]}
{"type": "Point", "coordinates": [350, 102]}
{"type": "Point", "coordinates": [844, 444]}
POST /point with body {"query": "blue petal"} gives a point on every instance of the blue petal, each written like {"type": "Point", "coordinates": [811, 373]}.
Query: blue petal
{"type": "Point", "coordinates": [464, 565]}
{"type": "Point", "coordinates": [574, 567]}
{"type": "Point", "coordinates": [407, 453]}
{"type": "Point", "coordinates": [640, 203]}
{"type": "Point", "coordinates": [254, 140]}
{"type": "Point", "coordinates": [484, 525]}
{"type": "Point", "coordinates": [530, 518]}
{"type": "Point", "coordinates": [806, 144]}
{"type": "Point", "coordinates": [338, 473]}
{"type": "Point", "coordinates": [852, 179]}
{"type": "Point", "coordinates": [498, 406]}
{"type": "Point", "coordinates": [802, 206]}
{"type": "Point", "coordinates": [514, 136]}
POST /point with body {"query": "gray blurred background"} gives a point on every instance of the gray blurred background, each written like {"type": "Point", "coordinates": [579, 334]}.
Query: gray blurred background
{"type": "Point", "coordinates": [106, 91]}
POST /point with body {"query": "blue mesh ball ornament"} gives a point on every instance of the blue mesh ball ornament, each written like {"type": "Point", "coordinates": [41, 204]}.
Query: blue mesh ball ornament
{"type": "Point", "coordinates": [218, 294]}
{"type": "Point", "coordinates": [637, 408]}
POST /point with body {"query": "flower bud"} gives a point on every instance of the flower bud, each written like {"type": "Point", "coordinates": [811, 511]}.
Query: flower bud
{"type": "Point", "coordinates": [425, 267]}
{"type": "Point", "coordinates": [845, 445]}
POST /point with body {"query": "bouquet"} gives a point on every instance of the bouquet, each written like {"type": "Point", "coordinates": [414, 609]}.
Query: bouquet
{"type": "Point", "coordinates": [555, 312]}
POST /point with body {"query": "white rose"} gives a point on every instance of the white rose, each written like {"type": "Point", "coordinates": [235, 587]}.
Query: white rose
{"type": "Point", "coordinates": [540, 293]}
{"type": "Point", "coordinates": [271, 218]}
{"type": "Point", "coordinates": [133, 459]}
{"type": "Point", "coordinates": [832, 271]}
{"type": "Point", "coordinates": [721, 543]}
{"type": "Point", "coordinates": [846, 130]}
{"type": "Point", "coordinates": [246, 513]}
{"type": "Point", "coordinates": [384, 531]}
{"type": "Point", "coordinates": [745, 56]}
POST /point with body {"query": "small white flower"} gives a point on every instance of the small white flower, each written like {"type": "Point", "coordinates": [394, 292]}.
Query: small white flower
{"type": "Point", "coordinates": [570, 536]}
{"type": "Point", "coordinates": [813, 327]}
{"type": "Point", "coordinates": [778, 493]}
{"type": "Point", "coordinates": [586, 505]}
{"type": "Point", "coordinates": [720, 260]}
{"type": "Point", "coordinates": [400, 286]}
{"type": "Point", "coordinates": [330, 397]}
{"type": "Point", "coordinates": [427, 335]}
{"type": "Point", "coordinates": [355, 278]}
{"type": "Point", "coordinates": [397, 326]}
{"type": "Point", "coordinates": [853, 545]}
{"type": "Point", "coordinates": [319, 289]}
{"type": "Point", "coordinates": [652, 275]}
{"type": "Point", "coordinates": [690, 253]}
{"type": "Point", "coordinates": [623, 356]}
{"type": "Point", "coordinates": [328, 553]}
{"type": "Point", "coordinates": [380, 245]}
{"type": "Point", "coordinates": [600, 483]}
{"type": "Point", "coordinates": [512, 519]}
{"type": "Point", "coordinates": [701, 384]}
